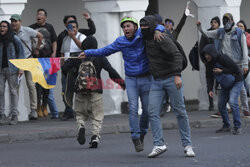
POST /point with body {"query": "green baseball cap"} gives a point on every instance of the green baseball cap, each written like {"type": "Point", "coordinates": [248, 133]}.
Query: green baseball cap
{"type": "Point", "coordinates": [16, 17]}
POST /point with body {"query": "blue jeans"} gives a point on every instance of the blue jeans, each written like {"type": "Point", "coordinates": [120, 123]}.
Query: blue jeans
{"type": "Point", "coordinates": [68, 109]}
{"type": "Point", "coordinates": [157, 93]}
{"type": "Point", "coordinates": [52, 104]}
{"type": "Point", "coordinates": [231, 96]}
{"type": "Point", "coordinates": [138, 87]}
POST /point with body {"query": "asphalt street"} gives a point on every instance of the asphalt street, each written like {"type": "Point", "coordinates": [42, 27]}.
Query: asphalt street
{"type": "Point", "coordinates": [116, 150]}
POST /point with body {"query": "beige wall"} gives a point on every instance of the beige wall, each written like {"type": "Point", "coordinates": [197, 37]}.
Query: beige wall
{"type": "Point", "coordinates": [244, 12]}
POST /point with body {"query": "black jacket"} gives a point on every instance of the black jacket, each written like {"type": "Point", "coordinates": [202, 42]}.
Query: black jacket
{"type": "Point", "coordinates": [64, 33]}
{"type": "Point", "coordinates": [164, 57]}
{"type": "Point", "coordinates": [99, 63]}
{"type": "Point", "coordinates": [229, 67]}
{"type": "Point", "coordinates": [204, 41]}
{"type": "Point", "coordinates": [178, 29]}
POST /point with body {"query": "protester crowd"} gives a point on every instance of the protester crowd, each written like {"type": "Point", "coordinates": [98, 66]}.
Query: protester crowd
{"type": "Point", "coordinates": [153, 63]}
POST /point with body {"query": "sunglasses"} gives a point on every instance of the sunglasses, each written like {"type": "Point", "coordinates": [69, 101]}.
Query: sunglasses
{"type": "Point", "coordinates": [169, 22]}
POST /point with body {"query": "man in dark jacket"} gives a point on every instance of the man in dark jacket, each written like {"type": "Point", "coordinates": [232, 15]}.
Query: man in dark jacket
{"type": "Point", "coordinates": [90, 105]}
{"type": "Point", "coordinates": [215, 24]}
{"type": "Point", "coordinates": [226, 66]}
{"type": "Point", "coordinates": [165, 65]}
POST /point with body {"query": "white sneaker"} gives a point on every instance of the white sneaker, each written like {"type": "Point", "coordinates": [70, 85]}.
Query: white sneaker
{"type": "Point", "coordinates": [188, 150]}
{"type": "Point", "coordinates": [168, 109]}
{"type": "Point", "coordinates": [157, 150]}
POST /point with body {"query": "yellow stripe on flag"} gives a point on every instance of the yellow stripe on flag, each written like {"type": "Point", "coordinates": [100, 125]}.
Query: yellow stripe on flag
{"type": "Point", "coordinates": [32, 65]}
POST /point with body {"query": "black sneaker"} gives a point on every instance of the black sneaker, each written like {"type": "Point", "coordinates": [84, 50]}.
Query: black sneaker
{"type": "Point", "coordinates": [223, 129]}
{"type": "Point", "coordinates": [81, 136]}
{"type": "Point", "coordinates": [138, 145]}
{"type": "Point", "coordinates": [94, 141]}
{"type": "Point", "coordinates": [142, 139]}
{"type": "Point", "coordinates": [67, 116]}
{"type": "Point", "coordinates": [13, 120]}
{"type": "Point", "coordinates": [54, 117]}
{"type": "Point", "coordinates": [216, 115]}
{"type": "Point", "coordinates": [236, 131]}
{"type": "Point", "coordinates": [2, 119]}
{"type": "Point", "coordinates": [246, 114]}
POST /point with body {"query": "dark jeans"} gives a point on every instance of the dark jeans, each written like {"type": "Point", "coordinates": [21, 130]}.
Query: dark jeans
{"type": "Point", "coordinates": [68, 109]}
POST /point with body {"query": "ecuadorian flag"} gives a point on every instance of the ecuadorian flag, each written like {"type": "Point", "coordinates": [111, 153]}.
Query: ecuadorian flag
{"type": "Point", "coordinates": [43, 70]}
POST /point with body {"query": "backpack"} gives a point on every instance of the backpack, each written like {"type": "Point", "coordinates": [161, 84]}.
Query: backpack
{"type": "Point", "coordinates": [184, 60]}
{"type": "Point", "coordinates": [226, 81]}
{"type": "Point", "coordinates": [194, 57]}
{"type": "Point", "coordinates": [86, 80]}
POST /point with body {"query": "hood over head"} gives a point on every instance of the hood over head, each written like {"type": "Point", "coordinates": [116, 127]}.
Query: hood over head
{"type": "Point", "coordinates": [211, 50]}
{"type": "Point", "coordinates": [150, 21]}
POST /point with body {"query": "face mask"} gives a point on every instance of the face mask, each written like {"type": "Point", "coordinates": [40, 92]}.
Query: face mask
{"type": "Point", "coordinates": [228, 26]}
{"type": "Point", "coordinates": [146, 33]}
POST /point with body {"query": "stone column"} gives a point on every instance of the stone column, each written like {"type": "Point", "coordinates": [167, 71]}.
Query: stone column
{"type": "Point", "coordinates": [107, 16]}
{"type": "Point", "coordinates": [7, 8]}
{"type": "Point", "coordinates": [206, 11]}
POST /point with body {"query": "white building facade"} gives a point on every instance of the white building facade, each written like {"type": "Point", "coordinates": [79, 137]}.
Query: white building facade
{"type": "Point", "coordinates": [107, 14]}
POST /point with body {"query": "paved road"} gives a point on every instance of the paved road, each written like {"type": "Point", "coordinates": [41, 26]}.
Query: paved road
{"type": "Point", "coordinates": [213, 150]}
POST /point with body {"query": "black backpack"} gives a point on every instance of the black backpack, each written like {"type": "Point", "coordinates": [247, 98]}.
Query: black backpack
{"type": "Point", "coordinates": [184, 61]}
{"type": "Point", "coordinates": [194, 57]}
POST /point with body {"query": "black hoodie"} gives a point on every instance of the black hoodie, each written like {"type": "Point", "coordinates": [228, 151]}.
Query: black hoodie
{"type": "Point", "coordinates": [99, 63]}
{"type": "Point", "coordinates": [229, 67]}
{"type": "Point", "coordinates": [165, 59]}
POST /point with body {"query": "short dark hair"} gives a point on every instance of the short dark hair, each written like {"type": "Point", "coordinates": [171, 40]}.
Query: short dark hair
{"type": "Point", "coordinates": [68, 16]}
{"type": "Point", "coordinates": [170, 20]}
{"type": "Point", "coordinates": [244, 24]}
{"type": "Point", "coordinates": [42, 10]}
{"type": "Point", "coordinates": [73, 21]}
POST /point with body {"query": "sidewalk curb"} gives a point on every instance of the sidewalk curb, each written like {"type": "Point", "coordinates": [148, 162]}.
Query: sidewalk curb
{"type": "Point", "coordinates": [107, 129]}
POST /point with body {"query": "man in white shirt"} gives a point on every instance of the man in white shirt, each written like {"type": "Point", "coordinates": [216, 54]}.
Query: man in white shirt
{"type": "Point", "coordinates": [71, 46]}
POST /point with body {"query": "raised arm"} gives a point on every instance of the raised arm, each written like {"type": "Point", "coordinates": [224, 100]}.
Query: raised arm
{"type": "Point", "coordinates": [91, 26]}
{"type": "Point", "coordinates": [209, 34]}
{"type": "Point", "coordinates": [179, 27]}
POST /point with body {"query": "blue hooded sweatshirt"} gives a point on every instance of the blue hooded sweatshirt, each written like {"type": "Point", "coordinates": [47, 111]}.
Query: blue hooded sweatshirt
{"type": "Point", "coordinates": [133, 52]}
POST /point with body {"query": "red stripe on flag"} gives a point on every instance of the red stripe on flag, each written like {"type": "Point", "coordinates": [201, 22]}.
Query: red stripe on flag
{"type": "Point", "coordinates": [55, 65]}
